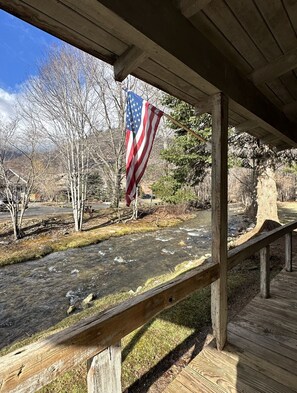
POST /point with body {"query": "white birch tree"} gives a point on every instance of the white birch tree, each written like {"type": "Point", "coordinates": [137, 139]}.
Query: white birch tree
{"type": "Point", "coordinates": [62, 99]}
{"type": "Point", "coordinates": [109, 133]}
{"type": "Point", "coordinates": [18, 151]}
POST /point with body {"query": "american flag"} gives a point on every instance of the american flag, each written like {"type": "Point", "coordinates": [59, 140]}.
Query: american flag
{"type": "Point", "coordinates": [142, 120]}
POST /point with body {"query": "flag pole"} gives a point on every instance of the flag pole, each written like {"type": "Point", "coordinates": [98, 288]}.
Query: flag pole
{"type": "Point", "coordinates": [136, 202]}
{"type": "Point", "coordinates": [176, 122]}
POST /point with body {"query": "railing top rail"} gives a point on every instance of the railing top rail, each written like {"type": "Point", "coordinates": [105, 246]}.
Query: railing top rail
{"type": "Point", "coordinates": [35, 365]}
{"type": "Point", "coordinates": [255, 244]}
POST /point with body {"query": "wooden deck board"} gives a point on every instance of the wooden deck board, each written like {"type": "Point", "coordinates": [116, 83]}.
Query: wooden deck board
{"type": "Point", "coordinates": [261, 354]}
{"type": "Point", "coordinates": [188, 382]}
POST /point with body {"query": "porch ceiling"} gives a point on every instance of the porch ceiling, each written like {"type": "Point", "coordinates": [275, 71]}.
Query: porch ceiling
{"type": "Point", "coordinates": [192, 49]}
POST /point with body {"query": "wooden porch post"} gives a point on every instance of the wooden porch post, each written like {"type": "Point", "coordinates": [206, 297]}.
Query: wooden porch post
{"type": "Point", "coordinates": [104, 371]}
{"type": "Point", "coordinates": [288, 252]}
{"type": "Point", "coordinates": [265, 272]}
{"type": "Point", "coordinates": [219, 216]}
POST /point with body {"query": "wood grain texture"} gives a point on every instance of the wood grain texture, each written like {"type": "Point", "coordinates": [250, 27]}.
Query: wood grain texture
{"type": "Point", "coordinates": [288, 251]}
{"type": "Point", "coordinates": [128, 62]}
{"type": "Point", "coordinates": [104, 371]}
{"type": "Point", "coordinates": [190, 7]}
{"type": "Point", "coordinates": [219, 217]}
{"type": "Point", "coordinates": [255, 244]}
{"type": "Point", "coordinates": [275, 68]}
{"type": "Point", "coordinates": [265, 272]}
{"type": "Point", "coordinates": [252, 21]}
{"type": "Point", "coordinates": [278, 21]}
{"type": "Point", "coordinates": [261, 354]}
{"type": "Point", "coordinates": [35, 365]}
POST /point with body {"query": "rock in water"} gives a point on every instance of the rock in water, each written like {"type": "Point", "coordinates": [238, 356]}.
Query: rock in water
{"type": "Point", "coordinates": [71, 309]}
{"type": "Point", "coordinates": [70, 294]}
{"type": "Point", "coordinates": [119, 260]}
{"type": "Point", "coordinates": [88, 299]}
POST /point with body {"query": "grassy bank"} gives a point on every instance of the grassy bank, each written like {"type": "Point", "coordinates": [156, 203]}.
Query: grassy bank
{"type": "Point", "coordinates": [149, 351]}
{"type": "Point", "coordinates": [159, 342]}
{"type": "Point", "coordinates": [57, 234]}
{"type": "Point", "coordinates": [46, 235]}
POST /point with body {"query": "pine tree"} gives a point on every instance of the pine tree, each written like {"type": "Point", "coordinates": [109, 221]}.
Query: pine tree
{"type": "Point", "coordinates": [188, 158]}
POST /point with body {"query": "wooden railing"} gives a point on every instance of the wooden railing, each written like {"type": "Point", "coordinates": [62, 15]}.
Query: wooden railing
{"type": "Point", "coordinates": [262, 243]}
{"type": "Point", "coordinates": [96, 339]}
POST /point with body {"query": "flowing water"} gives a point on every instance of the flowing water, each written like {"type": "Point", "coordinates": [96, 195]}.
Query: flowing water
{"type": "Point", "coordinates": [35, 295]}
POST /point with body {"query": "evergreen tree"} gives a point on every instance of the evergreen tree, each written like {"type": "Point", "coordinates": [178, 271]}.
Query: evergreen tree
{"type": "Point", "coordinates": [188, 158]}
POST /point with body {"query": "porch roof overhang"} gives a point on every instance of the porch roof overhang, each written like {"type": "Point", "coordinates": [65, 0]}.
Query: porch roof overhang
{"type": "Point", "coordinates": [191, 49]}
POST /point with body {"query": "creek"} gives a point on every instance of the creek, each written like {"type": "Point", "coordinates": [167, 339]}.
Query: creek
{"type": "Point", "coordinates": [36, 294]}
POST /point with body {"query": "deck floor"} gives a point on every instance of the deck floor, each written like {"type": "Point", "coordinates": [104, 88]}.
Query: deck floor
{"type": "Point", "coordinates": [261, 355]}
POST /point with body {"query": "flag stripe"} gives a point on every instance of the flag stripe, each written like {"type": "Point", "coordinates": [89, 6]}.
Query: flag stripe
{"type": "Point", "coordinates": [141, 147]}
{"type": "Point", "coordinates": [142, 121]}
{"type": "Point", "coordinates": [142, 163]}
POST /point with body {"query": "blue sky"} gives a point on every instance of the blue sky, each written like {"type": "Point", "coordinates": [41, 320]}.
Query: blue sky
{"type": "Point", "coordinates": [21, 46]}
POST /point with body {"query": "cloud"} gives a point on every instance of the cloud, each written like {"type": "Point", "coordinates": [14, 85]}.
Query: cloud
{"type": "Point", "coordinates": [7, 104]}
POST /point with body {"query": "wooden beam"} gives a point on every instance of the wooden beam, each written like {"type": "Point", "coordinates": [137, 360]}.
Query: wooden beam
{"type": "Point", "coordinates": [104, 371]}
{"type": "Point", "coordinates": [125, 64]}
{"type": "Point", "coordinates": [246, 126]}
{"type": "Point", "coordinates": [204, 106]}
{"type": "Point", "coordinates": [291, 109]}
{"type": "Point", "coordinates": [275, 69]}
{"type": "Point", "coordinates": [212, 66]}
{"type": "Point", "coordinates": [268, 139]}
{"type": "Point", "coordinates": [268, 128]}
{"type": "Point", "coordinates": [219, 216]}
{"type": "Point", "coordinates": [191, 7]}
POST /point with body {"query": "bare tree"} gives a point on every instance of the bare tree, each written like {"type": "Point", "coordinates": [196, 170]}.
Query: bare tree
{"type": "Point", "coordinates": [109, 133]}
{"type": "Point", "coordinates": [81, 111]}
{"type": "Point", "coordinates": [53, 182]}
{"type": "Point", "coordinates": [17, 169]}
{"type": "Point", "coordinates": [63, 101]}
{"type": "Point", "coordinates": [109, 130]}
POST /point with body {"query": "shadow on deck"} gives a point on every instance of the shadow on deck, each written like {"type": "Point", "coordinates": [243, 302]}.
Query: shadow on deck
{"type": "Point", "coordinates": [261, 354]}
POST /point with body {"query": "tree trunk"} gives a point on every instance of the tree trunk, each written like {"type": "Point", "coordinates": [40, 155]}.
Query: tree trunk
{"type": "Point", "coordinates": [15, 223]}
{"type": "Point", "coordinates": [116, 190]}
{"type": "Point", "coordinates": [251, 209]}
{"type": "Point", "coordinates": [266, 197]}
